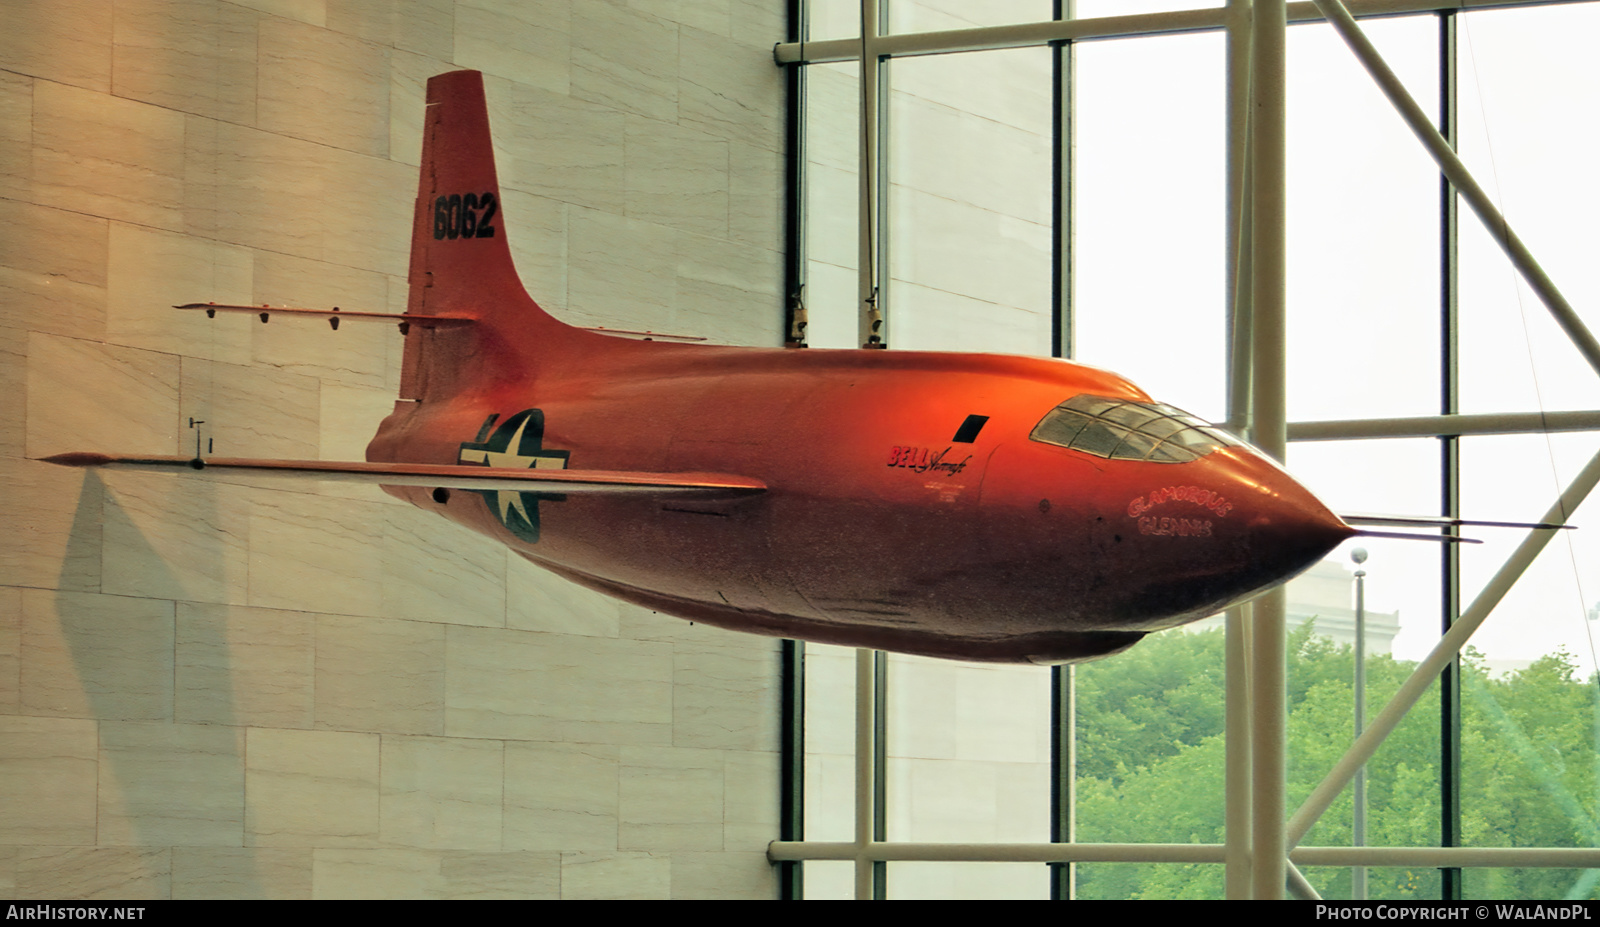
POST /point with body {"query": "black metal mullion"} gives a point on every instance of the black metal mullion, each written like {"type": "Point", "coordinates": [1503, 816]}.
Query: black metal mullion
{"type": "Point", "coordinates": [792, 698]}
{"type": "Point", "coordinates": [792, 778]}
{"type": "Point", "coordinates": [1063, 746]}
{"type": "Point", "coordinates": [1449, 465]}
{"type": "Point", "coordinates": [880, 768]}
{"type": "Point", "coordinates": [794, 263]}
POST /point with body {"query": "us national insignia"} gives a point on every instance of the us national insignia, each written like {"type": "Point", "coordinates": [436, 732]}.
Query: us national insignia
{"type": "Point", "coordinates": [518, 442]}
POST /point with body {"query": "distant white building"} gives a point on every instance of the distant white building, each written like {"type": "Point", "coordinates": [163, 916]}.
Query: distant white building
{"type": "Point", "coordinates": [1326, 593]}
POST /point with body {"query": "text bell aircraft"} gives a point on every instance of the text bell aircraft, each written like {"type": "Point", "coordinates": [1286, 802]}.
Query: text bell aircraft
{"type": "Point", "coordinates": [969, 506]}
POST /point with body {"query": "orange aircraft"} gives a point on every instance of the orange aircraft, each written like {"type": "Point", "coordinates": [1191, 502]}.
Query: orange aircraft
{"type": "Point", "coordinates": [969, 506]}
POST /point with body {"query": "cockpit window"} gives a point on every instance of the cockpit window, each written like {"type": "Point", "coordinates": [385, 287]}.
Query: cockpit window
{"type": "Point", "coordinates": [1121, 429]}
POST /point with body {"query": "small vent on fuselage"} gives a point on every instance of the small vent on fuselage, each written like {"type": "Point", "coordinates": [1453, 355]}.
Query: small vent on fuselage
{"type": "Point", "coordinates": [968, 432]}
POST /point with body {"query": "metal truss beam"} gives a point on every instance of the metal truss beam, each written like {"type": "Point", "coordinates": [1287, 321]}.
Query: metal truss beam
{"type": "Point", "coordinates": [1105, 27]}
{"type": "Point", "coordinates": [1493, 857]}
{"type": "Point", "coordinates": [1434, 426]}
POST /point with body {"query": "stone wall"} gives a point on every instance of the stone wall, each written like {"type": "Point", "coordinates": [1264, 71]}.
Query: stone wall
{"type": "Point", "coordinates": [215, 687]}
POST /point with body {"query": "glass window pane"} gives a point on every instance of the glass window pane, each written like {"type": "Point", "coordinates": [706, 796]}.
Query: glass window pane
{"type": "Point", "coordinates": [1148, 265]}
{"type": "Point", "coordinates": [1150, 761]}
{"type": "Point", "coordinates": [1093, 9]}
{"type": "Point", "coordinates": [829, 880]}
{"type": "Point", "coordinates": [1099, 439]}
{"type": "Point", "coordinates": [1399, 617]}
{"type": "Point", "coordinates": [1394, 477]}
{"type": "Point", "coordinates": [1392, 883]}
{"type": "Point", "coordinates": [830, 746]}
{"type": "Point", "coordinates": [1530, 884]}
{"type": "Point", "coordinates": [1524, 76]}
{"type": "Point", "coordinates": [1134, 446]}
{"type": "Point", "coordinates": [1149, 881]}
{"type": "Point", "coordinates": [1363, 229]}
{"type": "Point", "coordinates": [1517, 478]}
{"type": "Point", "coordinates": [1530, 725]}
{"type": "Point", "coordinates": [938, 15]}
{"type": "Point", "coordinates": [1060, 427]}
{"type": "Point", "coordinates": [832, 19]}
{"type": "Point", "coordinates": [969, 881]}
{"type": "Point", "coordinates": [969, 752]}
{"type": "Point", "coordinates": [832, 197]}
{"type": "Point", "coordinates": [969, 223]}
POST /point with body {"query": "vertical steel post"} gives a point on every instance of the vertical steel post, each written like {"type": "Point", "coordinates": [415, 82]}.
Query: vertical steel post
{"type": "Point", "coordinates": [1064, 78]}
{"type": "Point", "coordinates": [1268, 153]}
{"type": "Point", "coordinates": [1358, 878]}
{"type": "Point", "coordinates": [1237, 621]}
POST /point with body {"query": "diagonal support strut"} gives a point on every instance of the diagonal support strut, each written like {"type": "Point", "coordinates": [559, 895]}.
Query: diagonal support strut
{"type": "Point", "coordinates": [1443, 652]}
{"type": "Point", "coordinates": [1456, 171]}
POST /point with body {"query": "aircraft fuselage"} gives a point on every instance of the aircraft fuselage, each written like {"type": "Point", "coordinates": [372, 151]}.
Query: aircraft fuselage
{"type": "Point", "coordinates": [907, 505]}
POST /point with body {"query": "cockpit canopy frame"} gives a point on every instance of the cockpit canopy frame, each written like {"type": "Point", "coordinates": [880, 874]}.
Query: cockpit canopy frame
{"type": "Point", "coordinates": [1127, 429]}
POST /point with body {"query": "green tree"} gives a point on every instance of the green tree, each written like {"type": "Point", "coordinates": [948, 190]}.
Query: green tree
{"type": "Point", "coordinates": [1528, 771]}
{"type": "Point", "coordinates": [1141, 707]}
{"type": "Point", "coordinates": [1151, 761]}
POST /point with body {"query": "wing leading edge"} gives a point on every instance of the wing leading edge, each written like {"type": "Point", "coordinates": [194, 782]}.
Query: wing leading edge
{"type": "Point", "coordinates": [444, 476]}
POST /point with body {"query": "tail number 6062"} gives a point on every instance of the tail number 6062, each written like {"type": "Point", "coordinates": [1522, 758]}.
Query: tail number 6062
{"type": "Point", "coordinates": [464, 215]}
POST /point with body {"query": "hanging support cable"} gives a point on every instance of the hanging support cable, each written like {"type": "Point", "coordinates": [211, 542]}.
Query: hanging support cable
{"type": "Point", "coordinates": [871, 331]}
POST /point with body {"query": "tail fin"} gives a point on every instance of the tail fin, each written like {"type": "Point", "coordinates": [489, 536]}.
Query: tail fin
{"type": "Point", "coordinates": [460, 260]}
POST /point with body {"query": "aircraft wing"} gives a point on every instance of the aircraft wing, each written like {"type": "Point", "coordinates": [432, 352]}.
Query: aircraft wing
{"type": "Point", "coordinates": [447, 476]}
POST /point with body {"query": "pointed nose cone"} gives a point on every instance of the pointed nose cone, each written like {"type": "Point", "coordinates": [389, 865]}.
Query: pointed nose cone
{"type": "Point", "coordinates": [1293, 534]}
{"type": "Point", "coordinates": [1285, 529]}
{"type": "Point", "coordinates": [1262, 528]}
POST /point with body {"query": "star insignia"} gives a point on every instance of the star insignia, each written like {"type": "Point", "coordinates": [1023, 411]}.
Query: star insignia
{"type": "Point", "coordinates": [517, 443]}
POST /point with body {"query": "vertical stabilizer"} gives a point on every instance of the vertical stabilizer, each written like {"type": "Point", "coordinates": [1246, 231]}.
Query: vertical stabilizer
{"type": "Point", "coordinates": [460, 259]}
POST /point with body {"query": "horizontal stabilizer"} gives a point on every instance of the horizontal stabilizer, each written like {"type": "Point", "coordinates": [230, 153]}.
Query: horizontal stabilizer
{"type": "Point", "coordinates": [361, 315]}
{"type": "Point", "coordinates": [1441, 521]}
{"type": "Point", "coordinates": [445, 476]}
{"type": "Point", "coordinates": [332, 315]}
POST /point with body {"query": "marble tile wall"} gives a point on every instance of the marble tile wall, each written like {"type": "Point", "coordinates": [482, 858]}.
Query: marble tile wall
{"type": "Point", "coordinates": [238, 688]}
